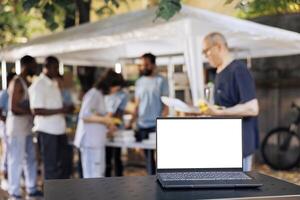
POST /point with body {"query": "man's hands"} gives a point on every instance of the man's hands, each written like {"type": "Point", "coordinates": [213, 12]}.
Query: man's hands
{"type": "Point", "coordinates": [109, 122]}
{"type": "Point", "coordinates": [111, 131]}
{"type": "Point", "coordinates": [213, 110]}
{"type": "Point", "coordinates": [247, 109]}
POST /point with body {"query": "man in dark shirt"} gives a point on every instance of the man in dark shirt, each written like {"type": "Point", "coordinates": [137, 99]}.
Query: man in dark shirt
{"type": "Point", "coordinates": [234, 91]}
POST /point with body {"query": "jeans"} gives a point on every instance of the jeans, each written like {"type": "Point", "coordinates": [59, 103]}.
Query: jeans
{"type": "Point", "coordinates": [54, 151]}
{"type": "Point", "coordinates": [141, 134]}
{"type": "Point", "coordinates": [247, 163]}
{"type": "Point", "coordinates": [93, 162]}
{"type": "Point", "coordinates": [21, 155]}
{"type": "Point", "coordinates": [113, 154]}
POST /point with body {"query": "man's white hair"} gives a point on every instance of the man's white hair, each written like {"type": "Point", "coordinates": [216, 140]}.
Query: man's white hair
{"type": "Point", "coordinates": [216, 38]}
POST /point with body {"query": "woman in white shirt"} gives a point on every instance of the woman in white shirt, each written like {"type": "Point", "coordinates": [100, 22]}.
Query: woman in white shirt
{"type": "Point", "coordinates": [93, 126]}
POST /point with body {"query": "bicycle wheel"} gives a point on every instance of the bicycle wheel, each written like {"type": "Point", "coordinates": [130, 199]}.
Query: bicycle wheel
{"type": "Point", "coordinates": [281, 149]}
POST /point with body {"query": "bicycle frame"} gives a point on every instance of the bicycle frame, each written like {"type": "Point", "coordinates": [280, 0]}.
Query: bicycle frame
{"type": "Point", "coordinates": [294, 126]}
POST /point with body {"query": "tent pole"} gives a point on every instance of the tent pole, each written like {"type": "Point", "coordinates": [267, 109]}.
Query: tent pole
{"type": "Point", "coordinates": [171, 83]}
{"type": "Point", "coordinates": [194, 63]}
{"type": "Point", "coordinates": [61, 68]}
{"type": "Point", "coordinates": [249, 62]}
{"type": "Point", "coordinates": [18, 67]}
{"type": "Point", "coordinates": [4, 74]}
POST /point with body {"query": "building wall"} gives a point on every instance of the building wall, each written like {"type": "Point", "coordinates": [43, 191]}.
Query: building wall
{"type": "Point", "coordinates": [277, 80]}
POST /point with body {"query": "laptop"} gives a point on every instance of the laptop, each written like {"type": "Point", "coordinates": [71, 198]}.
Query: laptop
{"type": "Point", "coordinates": [201, 153]}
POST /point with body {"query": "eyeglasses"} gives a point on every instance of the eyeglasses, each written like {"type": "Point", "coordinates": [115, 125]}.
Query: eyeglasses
{"type": "Point", "coordinates": [207, 51]}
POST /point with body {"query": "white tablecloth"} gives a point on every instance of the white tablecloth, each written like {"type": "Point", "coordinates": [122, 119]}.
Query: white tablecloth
{"type": "Point", "coordinates": [140, 145]}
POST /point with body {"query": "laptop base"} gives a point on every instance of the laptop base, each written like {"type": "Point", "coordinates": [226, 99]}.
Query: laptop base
{"type": "Point", "coordinates": [252, 183]}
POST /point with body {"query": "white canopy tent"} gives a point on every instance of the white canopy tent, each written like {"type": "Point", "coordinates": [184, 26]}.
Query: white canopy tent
{"type": "Point", "coordinates": [103, 43]}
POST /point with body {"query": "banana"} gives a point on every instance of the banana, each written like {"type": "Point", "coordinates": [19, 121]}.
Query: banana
{"type": "Point", "coordinates": [116, 121]}
{"type": "Point", "coordinates": [203, 106]}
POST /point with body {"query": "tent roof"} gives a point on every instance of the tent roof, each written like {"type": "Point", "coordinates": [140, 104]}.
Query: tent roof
{"type": "Point", "coordinates": [131, 34]}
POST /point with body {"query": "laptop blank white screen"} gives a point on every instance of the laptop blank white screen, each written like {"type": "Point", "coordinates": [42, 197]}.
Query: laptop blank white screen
{"type": "Point", "coordinates": [199, 143]}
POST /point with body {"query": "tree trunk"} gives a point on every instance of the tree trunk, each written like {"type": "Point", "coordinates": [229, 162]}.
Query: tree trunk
{"type": "Point", "coordinates": [83, 7]}
{"type": "Point", "coordinates": [70, 19]}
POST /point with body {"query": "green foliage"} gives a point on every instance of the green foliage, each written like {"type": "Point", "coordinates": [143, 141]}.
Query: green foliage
{"type": "Point", "coordinates": [168, 8]}
{"type": "Point", "coordinates": [48, 15]}
{"type": "Point", "coordinates": [50, 10]}
{"type": "Point", "coordinates": [16, 15]}
{"type": "Point", "coordinates": [108, 8]}
{"type": "Point", "coordinates": [256, 8]}
{"type": "Point", "coordinates": [115, 3]}
{"type": "Point", "coordinates": [105, 10]}
{"type": "Point", "coordinates": [12, 23]}
{"type": "Point", "coordinates": [27, 5]}
{"type": "Point", "coordinates": [228, 1]}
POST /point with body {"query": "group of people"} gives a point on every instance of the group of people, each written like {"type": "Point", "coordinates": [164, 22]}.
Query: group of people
{"type": "Point", "coordinates": [96, 113]}
{"type": "Point", "coordinates": [27, 108]}
{"type": "Point", "coordinates": [37, 107]}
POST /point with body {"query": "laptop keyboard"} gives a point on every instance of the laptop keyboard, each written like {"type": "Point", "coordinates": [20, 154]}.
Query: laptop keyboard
{"type": "Point", "coordinates": [192, 176]}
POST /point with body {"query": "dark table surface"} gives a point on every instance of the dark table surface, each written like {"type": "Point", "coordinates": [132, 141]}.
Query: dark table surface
{"type": "Point", "coordinates": [147, 188]}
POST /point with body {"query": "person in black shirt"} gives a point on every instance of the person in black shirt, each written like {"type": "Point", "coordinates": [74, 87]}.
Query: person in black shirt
{"type": "Point", "coordinates": [234, 91]}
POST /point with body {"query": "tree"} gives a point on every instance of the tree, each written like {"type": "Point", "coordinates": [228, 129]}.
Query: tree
{"type": "Point", "coordinates": [12, 23]}
{"type": "Point", "coordinates": [248, 8]}
{"type": "Point", "coordinates": [16, 15]}
{"type": "Point", "coordinates": [50, 9]}
{"type": "Point", "coordinates": [256, 8]}
{"type": "Point", "coordinates": [168, 8]}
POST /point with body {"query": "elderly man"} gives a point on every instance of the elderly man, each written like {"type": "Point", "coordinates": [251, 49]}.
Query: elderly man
{"type": "Point", "coordinates": [234, 90]}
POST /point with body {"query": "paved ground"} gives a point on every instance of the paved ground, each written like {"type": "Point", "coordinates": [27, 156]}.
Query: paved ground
{"type": "Point", "coordinates": [292, 176]}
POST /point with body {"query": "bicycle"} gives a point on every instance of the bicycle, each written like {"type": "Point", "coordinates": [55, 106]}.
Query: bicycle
{"type": "Point", "coordinates": [281, 147]}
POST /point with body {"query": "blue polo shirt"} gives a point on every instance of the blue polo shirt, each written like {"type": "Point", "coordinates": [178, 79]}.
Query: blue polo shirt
{"type": "Point", "coordinates": [148, 91]}
{"type": "Point", "coordinates": [116, 103]}
{"type": "Point", "coordinates": [235, 85]}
